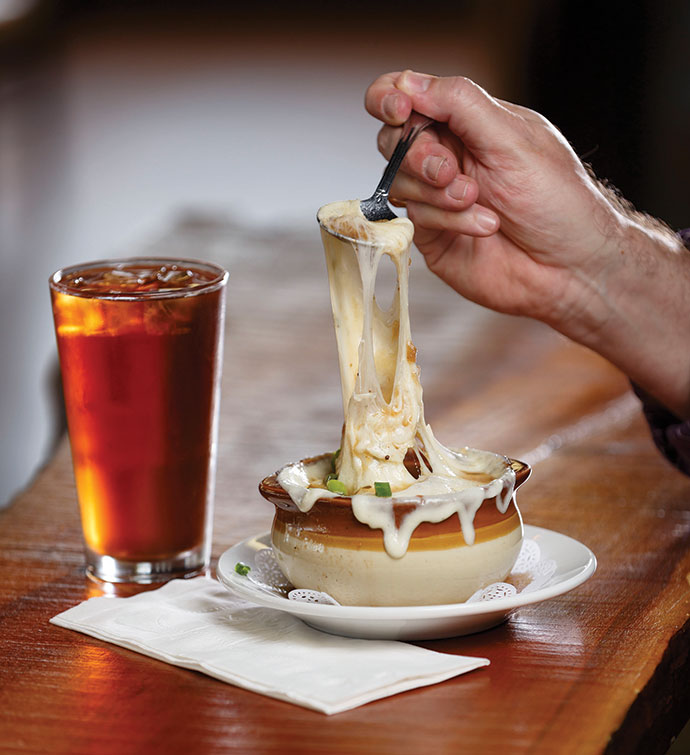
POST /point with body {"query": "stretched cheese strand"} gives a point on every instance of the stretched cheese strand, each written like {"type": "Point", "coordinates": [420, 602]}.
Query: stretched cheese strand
{"type": "Point", "coordinates": [382, 396]}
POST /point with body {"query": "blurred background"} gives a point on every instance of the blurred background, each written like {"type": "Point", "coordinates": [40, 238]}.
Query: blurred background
{"type": "Point", "coordinates": [122, 121]}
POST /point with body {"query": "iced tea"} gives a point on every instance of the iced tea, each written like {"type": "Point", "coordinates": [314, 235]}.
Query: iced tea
{"type": "Point", "coordinates": [140, 352]}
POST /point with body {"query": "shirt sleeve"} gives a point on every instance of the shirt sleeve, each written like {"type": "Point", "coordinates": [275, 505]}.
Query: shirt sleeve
{"type": "Point", "coordinates": [671, 434]}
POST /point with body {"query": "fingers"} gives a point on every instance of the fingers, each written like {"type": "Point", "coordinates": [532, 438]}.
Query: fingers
{"type": "Point", "coordinates": [439, 197]}
{"type": "Point", "coordinates": [482, 123]}
{"type": "Point", "coordinates": [385, 102]}
{"type": "Point", "coordinates": [427, 160]}
{"type": "Point", "coordinates": [479, 124]}
{"type": "Point", "coordinates": [458, 195]}
{"type": "Point", "coordinates": [473, 221]}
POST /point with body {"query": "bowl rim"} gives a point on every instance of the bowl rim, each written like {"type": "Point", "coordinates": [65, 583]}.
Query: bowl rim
{"type": "Point", "coordinates": [273, 492]}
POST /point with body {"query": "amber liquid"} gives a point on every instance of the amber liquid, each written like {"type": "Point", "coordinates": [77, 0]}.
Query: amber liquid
{"type": "Point", "coordinates": [140, 383]}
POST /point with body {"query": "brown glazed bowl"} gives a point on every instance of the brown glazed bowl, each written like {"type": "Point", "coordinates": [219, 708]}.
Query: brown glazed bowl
{"type": "Point", "coordinates": [327, 549]}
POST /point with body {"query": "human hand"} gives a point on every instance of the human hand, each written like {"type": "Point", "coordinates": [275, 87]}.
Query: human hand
{"type": "Point", "coordinates": [504, 211]}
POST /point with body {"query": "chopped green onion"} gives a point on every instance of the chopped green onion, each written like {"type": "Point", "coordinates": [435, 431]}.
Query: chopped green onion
{"type": "Point", "coordinates": [335, 486]}
{"type": "Point", "coordinates": [334, 458]}
{"type": "Point", "coordinates": [331, 476]}
{"type": "Point", "coordinates": [382, 489]}
{"type": "Point", "coordinates": [242, 569]}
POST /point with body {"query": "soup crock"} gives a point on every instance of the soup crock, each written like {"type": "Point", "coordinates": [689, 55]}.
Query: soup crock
{"type": "Point", "coordinates": [329, 550]}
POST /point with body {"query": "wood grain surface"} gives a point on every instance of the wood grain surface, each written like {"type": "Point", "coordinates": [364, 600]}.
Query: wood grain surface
{"type": "Point", "coordinates": [601, 669]}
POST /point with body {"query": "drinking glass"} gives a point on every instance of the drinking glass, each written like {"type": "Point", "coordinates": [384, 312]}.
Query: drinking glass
{"type": "Point", "coordinates": [140, 345]}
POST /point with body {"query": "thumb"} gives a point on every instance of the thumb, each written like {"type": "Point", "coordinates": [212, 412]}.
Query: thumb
{"type": "Point", "coordinates": [480, 121]}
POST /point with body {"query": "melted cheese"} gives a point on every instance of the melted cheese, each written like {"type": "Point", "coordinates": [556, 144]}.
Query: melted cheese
{"type": "Point", "coordinates": [382, 397]}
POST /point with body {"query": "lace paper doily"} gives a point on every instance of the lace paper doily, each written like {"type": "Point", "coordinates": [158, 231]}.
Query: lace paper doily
{"type": "Point", "coordinates": [531, 572]}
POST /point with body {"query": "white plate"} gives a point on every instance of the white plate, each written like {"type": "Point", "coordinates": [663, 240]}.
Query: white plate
{"type": "Point", "coordinates": [575, 563]}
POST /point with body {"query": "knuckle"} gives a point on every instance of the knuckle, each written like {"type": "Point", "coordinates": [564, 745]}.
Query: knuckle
{"type": "Point", "coordinates": [463, 89]}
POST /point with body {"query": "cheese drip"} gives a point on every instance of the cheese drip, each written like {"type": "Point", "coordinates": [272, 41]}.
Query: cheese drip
{"type": "Point", "coordinates": [382, 397]}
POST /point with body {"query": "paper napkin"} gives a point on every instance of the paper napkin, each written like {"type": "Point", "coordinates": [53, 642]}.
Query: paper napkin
{"type": "Point", "coordinates": [199, 625]}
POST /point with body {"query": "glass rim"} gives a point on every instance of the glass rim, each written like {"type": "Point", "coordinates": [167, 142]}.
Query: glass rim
{"type": "Point", "coordinates": [221, 277]}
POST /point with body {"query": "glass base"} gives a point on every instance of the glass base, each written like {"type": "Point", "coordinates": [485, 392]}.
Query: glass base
{"type": "Point", "coordinates": [108, 569]}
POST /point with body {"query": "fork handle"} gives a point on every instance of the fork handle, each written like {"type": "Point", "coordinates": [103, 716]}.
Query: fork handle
{"type": "Point", "coordinates": [414, 125]}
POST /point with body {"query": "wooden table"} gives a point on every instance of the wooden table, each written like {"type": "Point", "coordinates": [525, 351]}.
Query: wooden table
{"type": "Point", "coordinates": [603, 668]}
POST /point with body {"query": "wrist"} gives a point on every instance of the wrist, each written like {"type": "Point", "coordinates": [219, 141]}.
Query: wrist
{"type": "Point", "coordinates": [632, 306]}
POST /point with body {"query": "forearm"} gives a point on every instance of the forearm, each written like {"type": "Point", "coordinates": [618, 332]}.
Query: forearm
{"type": "Point", "coordinates": [637, 309]}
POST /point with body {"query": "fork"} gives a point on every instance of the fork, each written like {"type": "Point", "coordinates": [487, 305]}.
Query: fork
{"type": "Point", "coordinates": [376, 207]}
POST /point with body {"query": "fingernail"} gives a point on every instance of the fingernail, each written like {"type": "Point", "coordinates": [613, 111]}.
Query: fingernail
{"type": "Point", "coordinates": [413, 82]}
{"type": "Point", "coordinates": [389, 105]}
{"type": "Point", "coordinates": [432, 165]}
{"type": "Point", "coordinates": [457, 189]}
{"type": "Point", "coordinates": [486, 220]}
